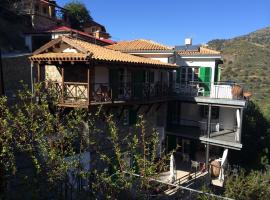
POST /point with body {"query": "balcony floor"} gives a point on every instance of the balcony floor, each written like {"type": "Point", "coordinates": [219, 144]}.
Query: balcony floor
{"type": "Point", "coordinates": [209, 100]}
{"type": "Point", "coordinates": [223, 138]}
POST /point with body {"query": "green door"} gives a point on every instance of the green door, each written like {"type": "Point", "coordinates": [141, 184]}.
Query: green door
{"type": "Point", "coordinates": [114, 83]}
{"type": "Point", "coordinates": [205, 79]}
{"type": "Point", "coordinates": [171, 143]}
{"type": "Point", "coordinates": [138, 79]}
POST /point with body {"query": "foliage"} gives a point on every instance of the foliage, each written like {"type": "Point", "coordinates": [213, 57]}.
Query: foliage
{"type": "Point", "coordinates": [43, 138]}
{"type": "Point", "coordinates": [78, 14]}
{"type": "Point", "coordinates": [49, 141]}
{"type": "Point", "coordinates": [255, 185]}
{"type": "Point", "coordinates": [255, 138]}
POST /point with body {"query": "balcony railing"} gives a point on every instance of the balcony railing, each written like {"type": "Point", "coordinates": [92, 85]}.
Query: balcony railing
{"type": "Point", "coordinates": [217, 131]}
{"type": "Point", "coordinates": [218, 90]}
{"type": "Point", "coordinates": [77, 93]}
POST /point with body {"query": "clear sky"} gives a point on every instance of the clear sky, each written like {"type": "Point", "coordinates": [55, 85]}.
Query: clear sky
{"type": "Point", "coordinates": [171, 21]}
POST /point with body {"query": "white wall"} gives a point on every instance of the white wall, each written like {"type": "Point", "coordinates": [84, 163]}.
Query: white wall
{"type": "Point", "coordinates": [227, 117]}
{"type": "Point", "coordinates": [195, 62]}
{"type": "Point", "coordinates": [164, 60]}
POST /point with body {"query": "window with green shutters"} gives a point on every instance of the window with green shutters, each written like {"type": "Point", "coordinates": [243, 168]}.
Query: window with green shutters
{"type": "Point", "coordinates": [205, 79]}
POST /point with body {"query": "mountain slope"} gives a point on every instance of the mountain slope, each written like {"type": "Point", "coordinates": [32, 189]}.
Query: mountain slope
{"type": "Point", "coordinates": [247, 60]}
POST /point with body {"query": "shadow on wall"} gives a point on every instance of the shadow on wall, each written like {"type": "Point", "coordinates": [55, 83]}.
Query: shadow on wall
{"type": "Point", "coordinates": [255, 138]}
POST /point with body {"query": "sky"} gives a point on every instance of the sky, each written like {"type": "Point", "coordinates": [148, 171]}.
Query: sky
{"type": "Point", "coordinates": [171, 21]}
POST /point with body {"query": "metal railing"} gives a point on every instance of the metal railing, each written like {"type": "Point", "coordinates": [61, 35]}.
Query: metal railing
{"type": "Point", "coordinates": [216, 128]}
{"type": "Point", "coordinates": [218, 90]}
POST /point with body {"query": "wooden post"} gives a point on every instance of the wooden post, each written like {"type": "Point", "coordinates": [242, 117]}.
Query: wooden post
{"type": "Point", "coordinates": [90, 78]}
{"type": "Point", "coordinates": [63, 82]}
{"type": "Point", "coordinates": [39, 73]}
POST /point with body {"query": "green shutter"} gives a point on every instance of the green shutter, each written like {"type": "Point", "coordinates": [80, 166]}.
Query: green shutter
{"type": "Point", "coordinates": [171, 139]}
{"type": "Point", "coordinates": [205, 79]}
{"type": "Point", "coordinates": [114, 82]}
{"type": "Point", "coordinates": [132, 116]}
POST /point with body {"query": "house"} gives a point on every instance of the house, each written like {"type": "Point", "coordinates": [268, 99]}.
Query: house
{"type": "Point", "coordinates": [86, 75]}
{"type": "Point", "coordinates": [97, 30]}
{"type": "Point", "coordinates": [43, 14]}
{"type": "Point", "coordinates": [35, 39]}
{"type": "Point", "coordinates": [206, 114]}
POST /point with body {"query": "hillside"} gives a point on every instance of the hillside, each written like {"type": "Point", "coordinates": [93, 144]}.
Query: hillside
{"type": "Point", "coordinates": [247, 60]}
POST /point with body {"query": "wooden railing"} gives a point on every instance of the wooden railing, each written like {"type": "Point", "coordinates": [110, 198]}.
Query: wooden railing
{"type": "Point", "coordinates": [77, 93]}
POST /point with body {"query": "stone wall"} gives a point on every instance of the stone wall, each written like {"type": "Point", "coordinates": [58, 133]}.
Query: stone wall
{"type": "Point", "coordinates": [15, 70]}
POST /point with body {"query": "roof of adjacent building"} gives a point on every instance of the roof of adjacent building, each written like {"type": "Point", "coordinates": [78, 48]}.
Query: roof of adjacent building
{"type": "Point", "coordinates": [88, 51]}
{"type": "Point", "coordinates": [200, 50]}
{"type": "Point", "coordinates": [68, 29]}
{"type": "Point", "coordinates": [138, 45]}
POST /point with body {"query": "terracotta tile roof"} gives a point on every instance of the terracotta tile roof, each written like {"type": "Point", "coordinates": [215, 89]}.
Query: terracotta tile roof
{"type": "Point", "coordinates": [60, 57]}
{"type": "Point", "coordinates": [91, 51]}
{"type": "Point", "coordinates": [200, 51]}
{"type": "Point", "coordinates": [138, 45]}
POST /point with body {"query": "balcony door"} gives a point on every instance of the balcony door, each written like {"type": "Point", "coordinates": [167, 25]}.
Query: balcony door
{"type": "Point", "coordinates": [138, 79]}
{"type": "Point", "coordinates": [187, 75]}
{"type": "Point", "coordinates": [205, 79]}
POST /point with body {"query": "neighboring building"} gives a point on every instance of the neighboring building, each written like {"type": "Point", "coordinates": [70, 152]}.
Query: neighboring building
{"type": "Point", "coordinates": [35, 39]}
{"type": "Point", "coordinates": [200, 100]}
{"type": "Point", "coordinates": [44, 14]}
{"type": "Point", "coordinates": [96, 30]}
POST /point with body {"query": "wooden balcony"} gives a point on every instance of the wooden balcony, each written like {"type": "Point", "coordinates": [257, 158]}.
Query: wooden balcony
{"type": "Point", "coordinates": [74, 94]}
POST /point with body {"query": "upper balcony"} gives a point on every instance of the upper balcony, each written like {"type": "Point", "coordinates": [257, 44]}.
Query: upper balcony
{"type": "Point", "coordinates": [75, 94]}
{"type": "Point", "coordinates": [211, 92]}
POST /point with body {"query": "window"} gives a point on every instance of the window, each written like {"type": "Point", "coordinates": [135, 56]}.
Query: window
{"type": "Point", "coordinates": [189, 74]}
{"type": "Point", "coordinates": [214, 112]}
{"type": "Point", "coordinates": [149, 77]}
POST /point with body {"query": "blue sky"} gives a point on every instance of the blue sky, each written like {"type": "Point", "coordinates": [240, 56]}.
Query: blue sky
{"type": "Point", "coordinates": [171, 21]}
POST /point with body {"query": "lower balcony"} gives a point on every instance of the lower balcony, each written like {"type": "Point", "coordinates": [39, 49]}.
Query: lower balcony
{"type": "Point", "coordinates": [74, 94]}
{"type": "Point", "coordinates": [229, 138]}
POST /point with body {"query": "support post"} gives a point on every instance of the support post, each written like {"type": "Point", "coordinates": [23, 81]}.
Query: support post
{"type": "Point", "coordinates": [208, 136]}
{"type": "Point", "coordinates": [39, 73]}
{"type": "Point", "coordinates": [63, 82]}
{"type": "Point", "coordinates": [90, 73]}
{"type": "Point", "coordinates": [241, 123]}
{"type": "Point", "coordinates": [32, 77]}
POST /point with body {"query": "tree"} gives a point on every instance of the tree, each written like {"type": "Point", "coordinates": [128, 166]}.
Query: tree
{"type": "Point", "coordinates": [78, 14]}
{"type": "Point", "coordinates": [255, 185]}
